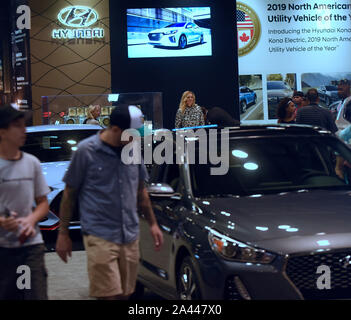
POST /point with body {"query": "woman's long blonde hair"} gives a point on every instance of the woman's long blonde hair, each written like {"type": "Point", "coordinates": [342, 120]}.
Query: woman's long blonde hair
{"type": "Point", "coordinates": [182, 104]}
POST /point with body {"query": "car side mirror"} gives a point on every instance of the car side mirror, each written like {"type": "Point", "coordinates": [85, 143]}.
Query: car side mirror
{"type": "Point", "coordinates": [162, 190]}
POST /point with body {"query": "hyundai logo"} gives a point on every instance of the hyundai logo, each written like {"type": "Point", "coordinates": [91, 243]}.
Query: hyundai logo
{"type": "Point", "coordinates": [77, 16]}
{"type": "Point", "coordinates": [345, 262]}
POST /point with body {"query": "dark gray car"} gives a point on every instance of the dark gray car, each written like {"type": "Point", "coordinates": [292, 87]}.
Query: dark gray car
{"type": "Point", "coordinates": [276, 91]}
{"type": "Point", "coordinates": [264, 230]}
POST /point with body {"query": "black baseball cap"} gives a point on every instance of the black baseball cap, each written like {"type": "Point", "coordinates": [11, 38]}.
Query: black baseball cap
{"type": "Point", "coordinates": [9, 114]}
{"type": "Point", "coordinates": [126, 117]}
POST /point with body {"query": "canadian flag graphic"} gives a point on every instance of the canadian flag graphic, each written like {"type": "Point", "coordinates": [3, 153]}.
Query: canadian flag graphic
{"type": "Point", "coordinates": [244, 37]}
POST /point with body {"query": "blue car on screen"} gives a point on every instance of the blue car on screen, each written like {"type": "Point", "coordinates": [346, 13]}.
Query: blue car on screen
{"type": "Point", "coordinates": [247, 97]}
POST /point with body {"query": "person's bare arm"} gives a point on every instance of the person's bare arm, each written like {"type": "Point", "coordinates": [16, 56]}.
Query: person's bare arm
{"type": "Point", "coordinates": [144, 205]}
{"type": "Point", "coordinates": [39, 213]}
{"type": "Point", "coordinates": [67, 206]}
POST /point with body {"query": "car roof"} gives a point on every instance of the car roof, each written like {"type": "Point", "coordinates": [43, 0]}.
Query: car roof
{"type": "Point", "coordinates": [62, 127]}
{"type": "Point", "coordinates": [277, 129]}
{"type": "Point", "coordinates": [262, 130]}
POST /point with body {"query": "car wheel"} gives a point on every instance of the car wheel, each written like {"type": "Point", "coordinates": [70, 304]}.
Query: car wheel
{"type": "Point", "coordinates": [327, 101]}
{"type": "Point", "coordinates": [243, 106]}
{"type": "Point", "coordinates": [202, 39]}
{"type": "Point", "coordinates": [187, 283]}
{"type": "Point", "coordinates": [255, 100]}
{"type": "Point", "coordinates": [182, 42]}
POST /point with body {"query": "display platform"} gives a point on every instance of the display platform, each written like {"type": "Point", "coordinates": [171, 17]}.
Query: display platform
{"type": "Point", "coordinates": [72, 109]}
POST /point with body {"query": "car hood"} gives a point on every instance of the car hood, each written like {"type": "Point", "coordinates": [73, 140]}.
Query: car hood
{"type": "Point", "coordinates": [161, 30]}
{"type": "Point", "coordinates": [54, 172]}
{"type": "Point", "coordinates": [286, 223]}
{"type": "Point", "coordinates": [279, 93]}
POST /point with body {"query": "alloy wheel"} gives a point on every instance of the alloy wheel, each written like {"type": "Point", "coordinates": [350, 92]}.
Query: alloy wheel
{"type": "Point", "coordinates": [243, 106]}
{"type": "Point", "coordinates": [182, 41]}
{"type": "Point", "coordinates": [187, 282]}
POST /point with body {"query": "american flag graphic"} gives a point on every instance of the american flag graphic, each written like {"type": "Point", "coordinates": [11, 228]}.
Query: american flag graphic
{"type": "Point", "coordinates": [245, 28]}
{"type": "Point", "coordinates": [243, 20]}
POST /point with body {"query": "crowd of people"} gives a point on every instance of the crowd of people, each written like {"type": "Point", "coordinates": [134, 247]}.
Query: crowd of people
{"type": "Point", "coordinates": [305, 109]}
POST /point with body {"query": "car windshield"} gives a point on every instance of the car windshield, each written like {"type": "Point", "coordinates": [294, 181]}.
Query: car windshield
{"type": "Point", "coordinates": [274, 165]}
{"type": "Point", "coordinates": [276, 85]}
{"type": "Point", "coordinates": [176, 25]}
{"type": "Point", "coordinates": [331, 88]}
{"type": "Point", "coordinates": [51, 146]}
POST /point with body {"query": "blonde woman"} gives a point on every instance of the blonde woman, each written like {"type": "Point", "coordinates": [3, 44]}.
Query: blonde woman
{"type": "Point", "coordinates": [93, 114]}
{"type": "Point", "coordinates": [189, 113]}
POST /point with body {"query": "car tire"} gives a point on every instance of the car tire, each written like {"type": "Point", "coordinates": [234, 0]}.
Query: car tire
{"type": "Point", "coordinates": [202, 39]}
{"type": "Point", "coordinates": [327, 101]}
{"type": "Point", "coordinates": [243, 106]}
{"type": "Point", "coordinates": [187, 283]}
{"type": "Point", "coordinates": [182, 43]}
{"type": "Point", "coordinates": [255, 100]}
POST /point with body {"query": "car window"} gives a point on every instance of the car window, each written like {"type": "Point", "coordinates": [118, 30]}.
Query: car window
{"type": "Point", "coordinates": [51, 146]}
{"type": "Point", "coordinates": [331, 88]}
{"type": "Point", "coordinates": [172, 175]}
{"type": "Point", "coordinates": [176, 25]}
{"type": "Point", "coordinates": [261, 165]}
{"type": "Point", "coordinates": [276, 85]}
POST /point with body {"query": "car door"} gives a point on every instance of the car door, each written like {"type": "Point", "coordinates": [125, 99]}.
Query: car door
{"type": "Point", "coordinates": [246, 94]}
{"type": "Point", "coordinates": [251, 95]}
{"type": "Point", "coordinates": [156, 266]}
{"type": "Point", "coordinates": [192, 36]}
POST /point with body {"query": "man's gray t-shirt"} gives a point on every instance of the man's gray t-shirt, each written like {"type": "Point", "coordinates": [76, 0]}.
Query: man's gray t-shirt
{"type": "Point", "coordinates": [107, 191]}
{"type": "Point", "coordinates": [21, 181]}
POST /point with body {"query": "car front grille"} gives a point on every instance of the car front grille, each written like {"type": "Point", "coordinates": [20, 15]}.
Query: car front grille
{"type": "Point", "coordinates": [154, 36]}
{"type": "Point", "coordinates": [302, 270]}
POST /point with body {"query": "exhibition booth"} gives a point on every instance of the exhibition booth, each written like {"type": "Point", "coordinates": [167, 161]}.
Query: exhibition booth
{"type": "Point", "coordinates": [242, 56]}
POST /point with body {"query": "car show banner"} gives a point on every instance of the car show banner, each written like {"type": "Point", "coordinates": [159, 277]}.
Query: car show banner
{"type": "Point", "coordinates": [290, 45]}
{"type": "Point", "coordinates": [21, 75]}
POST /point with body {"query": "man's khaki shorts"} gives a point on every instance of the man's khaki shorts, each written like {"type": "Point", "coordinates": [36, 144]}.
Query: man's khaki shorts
{"type": "Point", "coordinates": [112, 267]}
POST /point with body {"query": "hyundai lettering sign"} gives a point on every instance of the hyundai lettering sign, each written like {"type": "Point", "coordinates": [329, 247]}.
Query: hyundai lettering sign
{"type": "Point", "coordinates": [79, 18]}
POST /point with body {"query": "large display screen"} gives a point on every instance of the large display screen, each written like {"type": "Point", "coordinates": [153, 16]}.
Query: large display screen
{"type": "Point", "coordinates": [169, 32]}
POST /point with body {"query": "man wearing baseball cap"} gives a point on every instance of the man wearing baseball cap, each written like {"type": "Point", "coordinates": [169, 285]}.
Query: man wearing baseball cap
{"type": "Point", "coordinates": [21, 184]}
{"type": "Point", "coordinates": [109, 193]}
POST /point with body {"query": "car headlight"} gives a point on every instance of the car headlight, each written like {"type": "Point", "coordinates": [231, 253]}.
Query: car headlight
{"type": "Point", "coordinates": [237, 251]}
{"type": "Point", "coordinates": [171, 32]}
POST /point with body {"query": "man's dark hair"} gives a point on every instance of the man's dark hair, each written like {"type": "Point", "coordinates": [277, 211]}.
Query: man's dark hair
{"type": "Point", "coordinates": [312, 95]}
{"type": "Point", "coordinates": [221, 118]}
